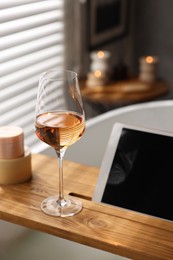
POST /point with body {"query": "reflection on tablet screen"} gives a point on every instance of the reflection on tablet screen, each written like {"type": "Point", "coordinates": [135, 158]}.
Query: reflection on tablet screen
{"type": "Point", "coordinates": [141, 176]}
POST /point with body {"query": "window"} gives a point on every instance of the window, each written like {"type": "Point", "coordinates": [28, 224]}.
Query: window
{"type": "Point", "coordinates": [32, 41]}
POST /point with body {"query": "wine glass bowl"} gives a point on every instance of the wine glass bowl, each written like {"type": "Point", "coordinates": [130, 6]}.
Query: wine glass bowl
{"type": "Point", "coordinates": [59, 122]}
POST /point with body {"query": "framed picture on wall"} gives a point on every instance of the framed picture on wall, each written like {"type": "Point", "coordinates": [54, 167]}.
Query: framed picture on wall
{"type": "Point", "coordinates": [107, 21]}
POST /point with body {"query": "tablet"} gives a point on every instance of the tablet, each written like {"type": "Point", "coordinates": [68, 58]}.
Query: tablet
{"type": "Point", "coordinates": [137, 171]}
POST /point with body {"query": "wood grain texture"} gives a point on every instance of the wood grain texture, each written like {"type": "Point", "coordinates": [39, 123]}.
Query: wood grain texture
{"type": "Point", "coordinates": [122, 232]}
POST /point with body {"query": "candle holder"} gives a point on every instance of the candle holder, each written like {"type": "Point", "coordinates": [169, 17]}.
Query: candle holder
{"type": "Point", "coordinates": [148, 68]}
{"type": "Point", "coordinates": [18, 170]}
{"type": "Point", "coordinates": [100, 68]}
{"type": "Point", "coordinates": [15, 158]}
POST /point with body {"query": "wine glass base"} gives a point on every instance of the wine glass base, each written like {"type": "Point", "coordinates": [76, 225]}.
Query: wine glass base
{"type": "Point", "coordinates": [67, 207]}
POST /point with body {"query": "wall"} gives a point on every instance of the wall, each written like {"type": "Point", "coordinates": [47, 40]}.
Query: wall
{"type": "Point", "coordinates": [153, 34]}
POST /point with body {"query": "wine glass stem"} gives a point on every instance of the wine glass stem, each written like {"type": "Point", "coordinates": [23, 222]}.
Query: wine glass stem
{"type": "Point", "coordinates": [60, 155]}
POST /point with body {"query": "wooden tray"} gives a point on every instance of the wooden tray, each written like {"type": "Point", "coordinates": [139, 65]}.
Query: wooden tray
{"type": "Point", "coordinates": [113, 229]}
{"type": "Point", "coordinates": [124, 91]}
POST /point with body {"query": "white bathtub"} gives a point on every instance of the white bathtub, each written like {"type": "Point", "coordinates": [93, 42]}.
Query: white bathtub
{"type": "Point", "coordinates": [19, 243]}
{"type": "Point", "coordinates": [90, 148]}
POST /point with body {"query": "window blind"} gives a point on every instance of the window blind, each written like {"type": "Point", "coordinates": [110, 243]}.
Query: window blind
{"type": "Point", "coordinates": [31, 41]}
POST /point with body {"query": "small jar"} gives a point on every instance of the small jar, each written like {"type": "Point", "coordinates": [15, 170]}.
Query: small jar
{"type": "Point", "coordinates": [15, 158]}
{"type": "Point", "coordinates": [11, 142]}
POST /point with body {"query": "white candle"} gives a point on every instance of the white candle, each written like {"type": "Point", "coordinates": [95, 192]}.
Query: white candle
{"type": "Point", "coordinates": [11, 142]}
{"type": "Point", "coordinates": [99, 69]}
{"type": "Point", "coordinates": [148, 68]}
{"type": "Point", "coordinates": [100, 61]}
{"type": "Point", "coordinates": [96, 78]}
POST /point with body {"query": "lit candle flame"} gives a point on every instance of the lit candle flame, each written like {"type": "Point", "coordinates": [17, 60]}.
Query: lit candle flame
{"type": "Point", "coordinates": [97, 73]}
{"type": "Point", "coordinates": [100, 54]}
{"type": "Point", "coordinates": [149, 59]}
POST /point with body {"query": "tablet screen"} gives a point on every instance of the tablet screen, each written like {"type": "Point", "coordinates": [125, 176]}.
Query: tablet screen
{"type": "Point", "coordinates": [141, 174]}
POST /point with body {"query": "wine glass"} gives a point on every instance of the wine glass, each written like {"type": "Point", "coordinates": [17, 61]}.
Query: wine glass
{"type": "Point", "coordinates": [59, 122]}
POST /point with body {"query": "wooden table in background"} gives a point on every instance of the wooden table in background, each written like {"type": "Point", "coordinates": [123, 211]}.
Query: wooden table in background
{"type": "Point", "coordinates": [121, 93]}
{"type": "Point", "coordinates": [122, 232]}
